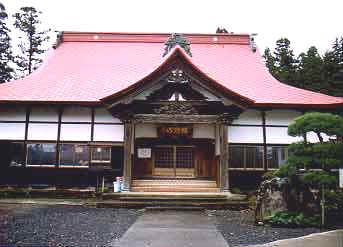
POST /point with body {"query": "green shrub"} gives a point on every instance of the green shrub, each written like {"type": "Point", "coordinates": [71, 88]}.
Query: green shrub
{"type": "Point", "coordinates": [290, 219]}
{"type": "Point", "coordinates": [269, 175]}
{"type": "Point", "coordinates": [236, 191]}
{"type": "Point", "coordinates": [334, 200]}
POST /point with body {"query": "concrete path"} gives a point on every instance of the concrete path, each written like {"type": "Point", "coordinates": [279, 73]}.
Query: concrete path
{"type": "Point", "coordinates": [172, 229]}
{"type": "Point", "coordinates": [325, 239]}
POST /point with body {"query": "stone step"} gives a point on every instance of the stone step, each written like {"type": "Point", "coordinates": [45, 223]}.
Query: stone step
{"type": "Point", "coordinates": [144, 204]}
{"type": "Point", "coordinates": [161, 198]}
{"type": "Point", "coordinates": [168, 195]}
{"type": "Point", "coordinates": [173, 189]}
{"type": "Point", "coordinates": [177, 185]}
{"type": "Point", "coordinates": [172, 182]}
{"type": "Point", "coordinates": [175, 208]}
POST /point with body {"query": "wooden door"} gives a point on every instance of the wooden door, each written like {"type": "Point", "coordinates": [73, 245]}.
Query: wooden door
{"type": "Point", "coordinates": [174, 161]}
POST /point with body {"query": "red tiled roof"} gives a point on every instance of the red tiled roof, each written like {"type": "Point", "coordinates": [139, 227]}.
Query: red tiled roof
{"type": "Point", "coordinates": [87, 67]}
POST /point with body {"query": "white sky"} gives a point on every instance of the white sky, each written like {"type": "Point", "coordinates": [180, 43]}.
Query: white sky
{"type": "Point", "coordinates": [303, 22]}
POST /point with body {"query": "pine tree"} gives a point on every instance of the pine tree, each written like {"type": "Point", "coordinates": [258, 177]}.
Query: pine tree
{"type": "Point", "coordinates": [28, 22]}
{"type": "Point", "coordinates": [310, 71]}
{"type": "Point", "coordinates": [5, 47]}
{"type": "Point", "coordinates": [282, 64]}
{"type": "Point", "coordinates": [270, 61]}
{"type": "Point", "coordinates": [285, 62]}
{"type": "Point", "coordinates": [333, 68]}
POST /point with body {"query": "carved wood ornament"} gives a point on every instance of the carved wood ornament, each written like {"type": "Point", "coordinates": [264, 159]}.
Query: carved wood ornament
{"type": "Point", "coordinates": [177, 107]}
{"type": "Point", "coordinates": [177, 39]}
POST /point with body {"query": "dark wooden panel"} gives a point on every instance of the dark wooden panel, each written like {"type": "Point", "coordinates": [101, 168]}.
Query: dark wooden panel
{"type": "Point", "coordinates": [142, 167]}
{"type": "Point", "coordinates": [204, 156]}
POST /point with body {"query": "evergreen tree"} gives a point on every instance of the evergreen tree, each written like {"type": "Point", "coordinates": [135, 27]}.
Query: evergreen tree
{"type": "Point", "coordinates": [333, 68]}
{"type": "Point", "coordinates": [5, 47]}
{"type": "Point", "coordinates": [282, 64]}
{"type": "Point", "coordinates": [28, 22]}
{"type": "Point", "coordinates": [270, 61]}
{"type": "Point", "coordinates": [310, 71]}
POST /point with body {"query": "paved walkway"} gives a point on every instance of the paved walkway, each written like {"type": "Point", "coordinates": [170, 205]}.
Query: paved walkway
{"type": "Point", "coordinates": [172, 229]}
{"type": "Point", "coordinates": [325, 239]}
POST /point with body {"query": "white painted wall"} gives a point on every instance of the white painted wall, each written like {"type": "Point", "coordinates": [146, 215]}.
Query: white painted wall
{"type": "Point", "coordinates": [12, 131]}
{"type": "Point", "coordinates": [12, 114]}
{"type": "Point", "coordinates": [145, 130]}
{"type": "Point", "coordinates": [75, 132]}
{"type": "Point", "coordinates": [203, 131]}
{"type": "Point", "coordinates": [46, 113]}
{"type": "Point", "coordinates": [281, 117]}
{"type": "Point", "coordinates": [103, 116]}
{"type": "Point", "coordinates": [111, 133]}
{"type": "Point", "coordinates": [312, 137]}
{"type": "Point", "coordinates": [249, 117]}
{"type": "Point", "coordinates": [278, 135]}
{"type": "Point", "coordinates": [42, 131]}
{"type": "Point", "coordinates": [237, 134]}
{"type": "Point", "coordinates": [77, 114]}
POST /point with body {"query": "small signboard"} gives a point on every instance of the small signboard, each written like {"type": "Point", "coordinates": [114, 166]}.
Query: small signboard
{"type": "Point", "coordinates": [341, 177]}
{"type": "Point", "coordinates": [144, 153]}
{"type": "Point", "coordinates": [175, 131]}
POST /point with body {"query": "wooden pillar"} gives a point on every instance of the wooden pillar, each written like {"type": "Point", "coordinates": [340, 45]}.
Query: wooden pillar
{"type": "Point", "coordinates": [58, 142]}
{"type": "Point", "coordinates": [224, 158]}
{"type": "Point", "coordinates": [265, 160]}
{"type": "Point", "coordinates": [27, 120]}
{"type": "Point", "coordinates": [128, 153]}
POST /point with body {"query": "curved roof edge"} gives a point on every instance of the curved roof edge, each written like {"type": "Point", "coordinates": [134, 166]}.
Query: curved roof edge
{"type": "Point", "coordinates": [178, 51]}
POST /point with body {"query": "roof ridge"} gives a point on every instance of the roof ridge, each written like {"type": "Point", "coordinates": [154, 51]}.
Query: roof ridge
{"type": "Point", "coordinates": [194, 38]}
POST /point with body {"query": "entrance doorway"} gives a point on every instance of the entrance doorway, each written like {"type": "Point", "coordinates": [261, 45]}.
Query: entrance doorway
{"type": "Point", "coordinates": [174, 161]}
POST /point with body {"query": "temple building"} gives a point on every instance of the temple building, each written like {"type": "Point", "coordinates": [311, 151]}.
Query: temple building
{"type": "Point", "coordinates": [150, 107]}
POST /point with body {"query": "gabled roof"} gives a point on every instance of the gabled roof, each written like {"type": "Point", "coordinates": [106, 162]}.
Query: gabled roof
{"type": "Point", "coordinates": [87, 67]}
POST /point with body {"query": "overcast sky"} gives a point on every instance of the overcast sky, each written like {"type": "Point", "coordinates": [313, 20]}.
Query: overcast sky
{"type": "Point", "coordinates": [304, 22]}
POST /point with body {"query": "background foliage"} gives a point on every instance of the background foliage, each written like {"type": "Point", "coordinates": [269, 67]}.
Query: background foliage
{"type": "Point", "coordinates": [309, 70]}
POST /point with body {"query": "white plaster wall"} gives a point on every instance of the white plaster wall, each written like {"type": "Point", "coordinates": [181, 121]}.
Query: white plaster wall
{"type": "Point", "coordinates": [12, 131]}
{"type": "Point", "coordinates": [278, 135]}
{"type": "Point", "coordinates": [77, 114]}
{"type": "Point", "coordinates": [146, 130]}
{"type": "Point", "coordinates": [203, 131]}
{"type": "Point", "coordinates": [47, 113]}
{"type": "Point", "coordinates": [312, 137]}
{"type": "Point", "coordinates": [245, 134]}
{"type": "Point", "coordinates": [281, 117]}
{"type": "Point", "coordinates": [75, 132]}
{"type": "Point", "coordinates": [111, 133]}
{"type": "Point", "coordinates": [103, 116]}
{"type": "Point", "coordinates": [12, 114]}
{"type": "Point", "coordinates": [249, 117]}
{"type": "Point", "coordinates": [42, 131]}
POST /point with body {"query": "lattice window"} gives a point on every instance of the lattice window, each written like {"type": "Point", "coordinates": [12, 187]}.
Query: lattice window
{"type": "Point", "coordinates": [164, 157]}
{"type": "Point", "coordinates": [184, 157]}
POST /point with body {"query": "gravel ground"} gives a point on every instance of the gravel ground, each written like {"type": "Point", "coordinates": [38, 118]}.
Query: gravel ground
{"type": "Point", "coordinates": [238, 228]}
{"type": "Point", "coordinates": [62, 225]}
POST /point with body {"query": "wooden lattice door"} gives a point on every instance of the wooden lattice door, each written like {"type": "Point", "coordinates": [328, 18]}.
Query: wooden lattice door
{"type": "Point", "coordinates": [173, 161]}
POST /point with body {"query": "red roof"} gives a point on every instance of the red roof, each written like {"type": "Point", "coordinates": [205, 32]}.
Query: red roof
{"type": "Point", "coordinates": [87, 67]}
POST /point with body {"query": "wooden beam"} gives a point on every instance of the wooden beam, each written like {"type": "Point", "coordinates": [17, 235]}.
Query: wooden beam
{"type": "Point", "coordinates": [59, 126]}
{"type": "Point", "coordinates": [265, 166]}
{"type": "Point", "coordinates": [27, 120]}
{"type": "Point", "coordinates": [128, 142]}
{"type": "Point", "coordinates": [92, 123]}
{"type": "Point", "coordinates": [166, 118]}
{"type": "Point", "coordinates": [224, 159]}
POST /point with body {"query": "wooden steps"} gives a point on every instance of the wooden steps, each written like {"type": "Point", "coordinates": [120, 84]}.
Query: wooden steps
{"type": "Point", "coordinates": [214, 200]}
{"type": "Point", "coordinates": [174, 185]}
